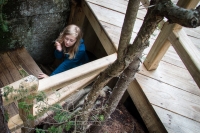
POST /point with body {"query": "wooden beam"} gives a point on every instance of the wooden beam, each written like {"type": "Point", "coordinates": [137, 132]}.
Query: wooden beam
{"type": "Point", "coordinates": [79, 17]}
{"type": "Point", "coordinates": [59, 96]}
{"type": "Point", "coordinates": [15, 123]}
{"type": "Point", "coordinates": [145, 109]}
{"type": "Point", "coordinates": [29, 83]}
{"type": "Point", "coordinates": [98, 28]}
{"type": "Point", "coordinates": [162, 44]}
{"type": "Point", "coordinates": [73, 75]}
{"type": "Point", "coordinates": [170, 98]}
{"type": "Point", "coordinates": [159, 48]}
{"type": "Point", "coordinates": [187, 52]}
{"type": "Point", "coordinates": [27, 62]}
{"type": "Point", "coordinates": [73, 8]}
{"type": "Point", "coordinates": [64, 93]}
{"type": "Point", "coordinates": [176, 123]}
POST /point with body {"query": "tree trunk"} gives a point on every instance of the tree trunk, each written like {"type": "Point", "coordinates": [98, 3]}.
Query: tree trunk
{"type": "Point", "coordinates": [3, 123]}
{"type": "Point", "coordinates": [129, 73]}
{"type": "Point", "coordinates": [119, 65]}
{"type": "Point", "coordinates": [131, 53]}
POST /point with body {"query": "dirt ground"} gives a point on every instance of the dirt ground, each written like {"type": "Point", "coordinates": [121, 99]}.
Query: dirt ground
{"type": "Point", "coordinates": [121, 121]}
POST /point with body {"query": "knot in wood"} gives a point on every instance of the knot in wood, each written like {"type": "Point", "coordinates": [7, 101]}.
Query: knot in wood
{"type": "Point", "coordinates": [194, 22]}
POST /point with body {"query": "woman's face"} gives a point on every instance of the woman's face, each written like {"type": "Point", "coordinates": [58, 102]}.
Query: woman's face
{"type": "Point", "coordinates": [69, 40]}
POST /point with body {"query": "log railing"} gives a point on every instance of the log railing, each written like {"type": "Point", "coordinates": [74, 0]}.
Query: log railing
{"type": "Point", "coordinates": [67, 82]}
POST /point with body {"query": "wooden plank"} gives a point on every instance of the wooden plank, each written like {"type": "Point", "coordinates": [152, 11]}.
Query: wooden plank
{"type": "Point", "coordinates": [195, 41]}
{"type": "Point", "coordinates": [188, 4]}
{"type": "Point", "coordinates": [61, 95]}
{"type": "Point", "coordinates": [14, 56]}
{"type": "Point", "coordinates": [73, 75]}
{"type": "Point", "coordinates": [4, 81]}
{"type": "Point", "coordinates": [5, 71]}
{"type": "Point", "coordinates": [79, 17]}
{"type": "Point", "coordinates": [112, 17]}
{"type": "Point", "coordinates": [29, 62]}
{"type": "Point", "coordinates": [170, 57]}
{"type": "Point", "coordinates": [118, 6]}
{"type": "Point", "coordinates": [159, 47]}
{"type": "Point", "coordinates": [187, 52]}
{"type": "Point", "coordinates": [175, 123]}
{"type": "Point", "coordinates": [101, 33]}
{"type": "Point", "coordinates": [64, 93]}
{"type": "Point", "coordinates": [145, 109]}
{"type": "Point", "coordinates": [1, 83]}
{"type": "Point", "coordinates": [193, 32]}
{"type": "Point", "coordinates": [115, 31]}
{"type": "Point", "coordinates": [11, 109]}
{"type": "Point", "coordinates": [101, 51]}
{"type": "Point", "coordinates": [172, 75]}
{"type": "Point", "coordinates": [30, 83]}
{"type": "Point", "coordinates": [7, 75]}
{"type": "Point", "coordinates": [170, 98]}
{"type": "Point", "coordinates": [12, 70]}
{"type": "Point", "coordinates": [89, 36]}
{"type": "Point", "coordinates": [15, 123]}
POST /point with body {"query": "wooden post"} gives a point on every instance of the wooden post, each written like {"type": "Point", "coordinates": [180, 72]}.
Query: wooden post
{"type": "Point", "coordinates": [188, 53]}
{"type": "Point", "coordinates": [73, 8]}
{"type": "Point", "coordinates": [77, 15]}
{"type": "Point", "coordinates": [162, 44]}
{"type": "Point", "coordinates": [29, 85]}
{"type": "Point", "coordinates": [145, 109]}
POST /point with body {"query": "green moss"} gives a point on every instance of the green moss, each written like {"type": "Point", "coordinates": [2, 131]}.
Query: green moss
{"type": "Point", "coordinates": [4, 30]}
{"type": "Point", "coordinates": [6, 41]}
{"type": "Point", "coordinates": [23, 73]}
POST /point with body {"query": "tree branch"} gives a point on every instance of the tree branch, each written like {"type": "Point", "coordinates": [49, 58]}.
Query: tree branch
{"type": "Point", "coordinates": [185, 17]}
{"type": "Point", "coordinates": [119, 65]}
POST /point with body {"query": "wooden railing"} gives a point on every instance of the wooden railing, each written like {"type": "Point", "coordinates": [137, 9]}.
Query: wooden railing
{"type": "Point", "coordinates": [67, 82]}
{"type": "Point", "coordinates": [175, 35]}
{"type": "Point", "coordinates": [79, 77]}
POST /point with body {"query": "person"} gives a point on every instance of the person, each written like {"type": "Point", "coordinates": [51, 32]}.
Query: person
{"type": "Point", "coordinates": [69, 45]}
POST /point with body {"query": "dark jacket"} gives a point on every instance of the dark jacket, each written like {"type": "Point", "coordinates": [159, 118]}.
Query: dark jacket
{"type": "Point", "coordinates": [80, 58]}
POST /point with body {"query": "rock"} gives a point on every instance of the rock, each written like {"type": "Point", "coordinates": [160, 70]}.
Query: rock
{"type": "Point", "coordinates": [35, 25]}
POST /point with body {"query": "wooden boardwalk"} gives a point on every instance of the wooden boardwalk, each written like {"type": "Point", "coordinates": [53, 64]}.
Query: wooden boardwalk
{"type": "Point", "coordinates": [170, 89]}
{"type": "Point", "coordinates": [14, 65]}
{"type": "Point", "coordinates": [167, 97]}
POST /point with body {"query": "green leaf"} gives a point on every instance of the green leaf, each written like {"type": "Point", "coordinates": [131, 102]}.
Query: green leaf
{"type": "Point", "coordinates": [39, 130]}
{"type": "Point", "coordinates": [69, 125]}
{"type": "Point", "coordinates": [4, 27]}
{"type": "Point", "coordinates": [101, 117]}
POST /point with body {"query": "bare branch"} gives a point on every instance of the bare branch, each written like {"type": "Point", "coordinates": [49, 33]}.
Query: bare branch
{"type": "Point", "coordinates": [175, 14]}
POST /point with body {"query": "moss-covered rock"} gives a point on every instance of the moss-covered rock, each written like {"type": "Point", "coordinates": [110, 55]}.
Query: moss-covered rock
{"type": "Point", "coordinates": [34, 24]}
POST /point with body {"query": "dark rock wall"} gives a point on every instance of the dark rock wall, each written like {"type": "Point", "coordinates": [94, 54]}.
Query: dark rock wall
{"type": "Point", "coordinates": [34, 24]}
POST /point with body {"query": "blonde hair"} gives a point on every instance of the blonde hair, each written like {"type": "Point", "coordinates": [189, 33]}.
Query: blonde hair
{"type": "Point", "coordinates": [74, 31]}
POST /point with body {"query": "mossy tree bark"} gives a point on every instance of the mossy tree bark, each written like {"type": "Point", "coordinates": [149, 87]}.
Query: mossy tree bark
{"type": "Point", "coordinates": [3, 123]}
{"type": "Point", "coordinates": [128, 55]}
{"type": "Point", "coordinates": [120, 64]}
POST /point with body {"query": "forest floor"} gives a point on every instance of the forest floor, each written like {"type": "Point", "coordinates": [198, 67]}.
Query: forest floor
{"type": "Point", "coordinates": [122, 121]}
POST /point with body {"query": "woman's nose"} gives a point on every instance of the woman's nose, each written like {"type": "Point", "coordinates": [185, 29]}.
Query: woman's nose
{"type": "Point", "coordinates": [68, 41]}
